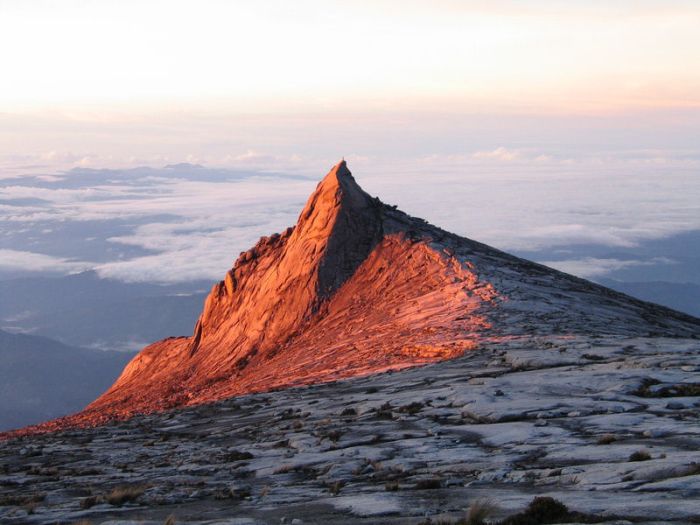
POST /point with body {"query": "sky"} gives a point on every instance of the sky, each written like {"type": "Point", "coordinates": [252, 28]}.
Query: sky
{"type": "Point", "coordinates": [534, 126]}
{"type": "Point", "coordinates": [106, 82]}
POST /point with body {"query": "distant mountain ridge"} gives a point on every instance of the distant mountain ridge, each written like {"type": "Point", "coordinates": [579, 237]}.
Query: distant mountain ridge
{"type": "Point", "coordinates": [89, 311]}
{"type": "Point", "coordinates": [684, 297]}
{"type": "Point", "coordinates": [42, 379]}
{"type": "Point", "coordinates": [358, 287]}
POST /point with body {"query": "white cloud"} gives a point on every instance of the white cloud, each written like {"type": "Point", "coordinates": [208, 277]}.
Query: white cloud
{"type": "Point", "coordinates": [196, 225]}
{"type": "Point", "coordinates": [500, 154]}
{"type": "Point", "coordinates": [39, 262]}
{"type": "Point", "coordinates": [589, 267]}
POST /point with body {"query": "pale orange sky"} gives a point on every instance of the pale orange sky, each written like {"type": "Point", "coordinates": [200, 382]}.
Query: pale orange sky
{"type": "Point", "coordinates": [77, 73]}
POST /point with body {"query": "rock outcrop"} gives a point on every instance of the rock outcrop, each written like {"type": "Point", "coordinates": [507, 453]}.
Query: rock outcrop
{"type": "Point", "coordinates": [358, 287]}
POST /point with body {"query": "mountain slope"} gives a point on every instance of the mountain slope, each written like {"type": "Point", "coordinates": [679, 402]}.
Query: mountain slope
{"type": "Point", "coordinates": [684, 297]}
{"type": "Point", "coordinates": [88, 311]}
{"type": "Point", "coordinates": [41, 378]}
{"type": "Point", "coordinates": [358, 287]}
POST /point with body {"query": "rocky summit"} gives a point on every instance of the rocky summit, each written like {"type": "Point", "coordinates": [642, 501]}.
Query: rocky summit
{"type": "Point", "coordinates": [299, 399]}
{"type": "Point", "coordinates": [358, 287]}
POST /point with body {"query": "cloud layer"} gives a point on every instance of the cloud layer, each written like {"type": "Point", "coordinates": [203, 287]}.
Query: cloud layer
{"type": "Point", "coordinates": [188, 222]}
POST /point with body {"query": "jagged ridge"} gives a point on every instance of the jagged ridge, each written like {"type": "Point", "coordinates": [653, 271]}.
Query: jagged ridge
{"type": "Point", "coordinates": [358, 287]}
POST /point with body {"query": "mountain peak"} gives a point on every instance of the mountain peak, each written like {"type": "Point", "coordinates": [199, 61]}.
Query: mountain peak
{"type": "Point", "coordinates": [357, 287]}
{"type": "Point", "coordinates": [337, 228]}
{"type": "Point", "coordinates": [337, 191]}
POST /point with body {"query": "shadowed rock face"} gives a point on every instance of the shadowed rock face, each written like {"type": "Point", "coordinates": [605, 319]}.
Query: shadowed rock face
{"type": "Point", "coordinates": [358, 287]}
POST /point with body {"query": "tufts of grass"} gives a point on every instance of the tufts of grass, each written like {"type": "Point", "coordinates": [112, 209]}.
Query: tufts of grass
{"type": "Point", "coordinates": [479, 511]}
{"type": "Point", "coordinates": [644, 388]}
{"type": "Point", "coordinates": [677, 390]}
{"type": "Point", "coordinates": [391, 486]}
{"type": "Point", "coordinates": [412, 408]}
{"type": "Point", "coordinates": [285, 469]}
{"type": "Point", "coordinates": [10, 500]}
{"type": "Point", "coordinates": [236, 455]}
{"type": "Point", "coordinates": [334, 488]}
{"type": "Point", "coordinates": [124, 494]}
{"type": "Point", "coordinates": [541, 510]}
{"type": "Point", "coordinates": [90, 501]}
{"type": "Point", "coordinates": [428, 484]}
{"type": "Point", "coordinates": [640, 455]}
{"type": "Point", "coordinates": [606, 439]}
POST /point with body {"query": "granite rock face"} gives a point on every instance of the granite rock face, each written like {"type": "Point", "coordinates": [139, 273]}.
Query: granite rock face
{"type": "Point", "coordinates": [609, 426]}
{"type": "Point", "coordinates": [358, 287]}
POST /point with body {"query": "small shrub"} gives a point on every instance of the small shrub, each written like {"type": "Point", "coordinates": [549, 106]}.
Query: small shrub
{"type": "Point", "coordinates": [541, 510]}
{"type": "Point", "coordinates": [349, 412]}
{"type": "Point", "coordinates": [334, 435]}
{"type": "Point", "coordinates": [284, 469]}
{"type": "Point", "coordinates": [334, 488]}
{"type": "Point", "coordinates": [640, 455]}
{"type": "Point", "coordinates": [644, 388]}
{"type": "Point", "coordinates": [479, 511]}
{"type": "Point", "coordinates": [606, 439]}
{"type": "Point", "coordinates": [124, 494]}
{"type": "Point", "coordinates": [477, 514]}
{"type": "Point", "coordinates": [236, 455]}
{"type": "Point", "coordinates": [391, 486]}
{"type": "Point", "coordinates": [428, 484]}
{"type": "Point", "coordinates": [412, 408]}
{"type": "Point", "coordinates": [90, 502]}
{"type": "Point", "coordinates": [9, 499]}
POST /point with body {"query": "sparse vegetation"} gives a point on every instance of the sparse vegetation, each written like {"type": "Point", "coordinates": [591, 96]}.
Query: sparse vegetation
{"type": "Point", "coordinates": [334, 435]}
{"type": "Point", "coordinates": [384, 411]}
{"type": "Point", "coordinates": [606, 439]}
{"type": "Point", "coordinates": [236, 455]}
{"type": "Point", "coordinates": [125, 494]}
{"type": "Point", "coordinates": [90, 501]}
{"type": "Point", "coordinates": [541, 510]}
{"type": "Point", "coordinates": [677, 390]}
{"type": "Point", "coordinates": [479, 511]}
{"type": "Point", "coordinates": [391, 486]}
{"type": "Point", "coordinates": [286, 468]}
{"type": "Point", "coordinates": [644, 388]}
{"type": "Point", "coordinates": [9, 499]}
{"type": "Point", "coordinates": [428, 484]}
{"type": "Point", "coordinates": [640, 455]}
{"type": "Point", "coordinates": [334, 487]}
{"type": "Point", "coordinates": [477, 514]}
{"type": "Point", "coordinates": [412, 408]}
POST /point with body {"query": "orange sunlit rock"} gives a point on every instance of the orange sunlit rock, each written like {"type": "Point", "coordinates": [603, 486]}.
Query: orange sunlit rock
{"type": "Point", "coordinates": [358, 287]}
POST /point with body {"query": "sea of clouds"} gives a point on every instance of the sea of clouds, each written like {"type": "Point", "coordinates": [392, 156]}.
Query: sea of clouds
{"type": "Point", "coordinates": [185, 222]}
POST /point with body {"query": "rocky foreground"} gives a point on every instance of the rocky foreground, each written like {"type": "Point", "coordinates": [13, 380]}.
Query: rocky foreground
{"type": "Point", "coordinates": [609, 426]}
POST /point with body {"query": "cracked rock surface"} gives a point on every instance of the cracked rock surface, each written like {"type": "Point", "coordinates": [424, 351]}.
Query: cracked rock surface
{"type": "Point", "coordinates": [607, 425]}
